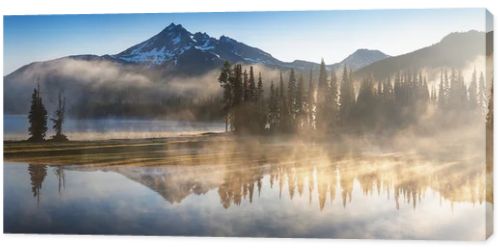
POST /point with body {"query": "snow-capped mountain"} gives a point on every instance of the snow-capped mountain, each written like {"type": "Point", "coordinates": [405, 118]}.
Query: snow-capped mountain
{"type": "Point", "coordinates": [167, 45]}
{"type": "Point", "coordinates": [181, 49]}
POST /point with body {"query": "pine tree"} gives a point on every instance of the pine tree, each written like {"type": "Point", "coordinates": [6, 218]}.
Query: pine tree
{"type": "Point", "coordinates": [32, 118]}
{"type": "Point", "coordinates": [322, 83]}
{"type": "Point", "coordinates": [299, 106]}
{"type": "Point", "coordinates": [473, 92]}
{"type": "Point", "coordinates": [300, 96]}
{"type": "Point", "coordinates": [490, 113]}
{"type": "Point", "coordinates": [433, 95]}
{"type": "Point", "coordinates": [273, 117]}
{"type": "Point", "coordinates": [397, 90]}
{"type": "Point", "coordinates": [332, 102]}
{"type": "Point", "coordinates": [387, 89]}
{"type": "Point", "coordinates": [457, 95]}
{"type": "Point", "coordinates": [422, 101]}
{"type": "Point", "coordinates": [58, 120]}
{"type": "Point", "coordinates": [237, 86]}
{"type": "Point", "coordinates": [321, 103]}
{"type": "Point", "coordinates": [489, 131]}
{"type": "Point", "coordinates": [482, 94]}
{"type": "Point", "coordinates": [261, 109]}
{"type": "Point", "coordinates": [252, 88]}
{"type": "Point", "coordinates": [388, 107]}
{"type": "Point", "coordinates": [246, 87]}
{"type": "Point", "coordinates": [379, 88]}
{"type": "Point", "coordinates": [425, 91]}
{"type": "Point", "coordinates": [442, 102]}
{"type": "Point", "coordinates": [225, 80]}
{"type": "Point", "coordinates": [260, 88]}
{"type": "Point", "coordinates": [238, 95]}
{"type": "Point", "coordinates": [282, 87]}
{"type": "Point", "coordinates": [365, 103]}
{"type": "Point", "coordinates": [284, 118]}
{"type": "Point", "coordinates": [37, 117]}
{"type": "Point", "coordinates": [346, 98]}
{"type": "Point", "coordinates": [453, 84]}
{"type": "Point", "coordinates": [292, 89]}
{"type": "Point", "coordinates": [310, 102]}
{"type": "Point", "coordinates": [462, 95]}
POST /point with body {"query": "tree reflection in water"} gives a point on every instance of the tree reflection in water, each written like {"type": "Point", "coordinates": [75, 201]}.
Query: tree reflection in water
{"type": "Point", "coordinates": [320, 176]}
{"type": "Point", "coordinates": [37, 174]}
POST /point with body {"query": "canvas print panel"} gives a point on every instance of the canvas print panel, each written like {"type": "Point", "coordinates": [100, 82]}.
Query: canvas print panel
{"type": "Point", "coordinates": [307, 124]}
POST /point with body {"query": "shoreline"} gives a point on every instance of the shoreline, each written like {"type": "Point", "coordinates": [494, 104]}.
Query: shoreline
{"type": "Point", "coordinates": [76, 152]}
{"type": "Point", "coordinates": [49, 141]}
{"type": "Point", "coordinates": [227, 148]}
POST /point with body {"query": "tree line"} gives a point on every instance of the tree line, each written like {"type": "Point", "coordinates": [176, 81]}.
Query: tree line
{"type": "Point", "coordinates": [322, 102]}
{"type": "Point", "coordinates": [37, 118]}
{"type": "Point", "coordinates": [243, 99]}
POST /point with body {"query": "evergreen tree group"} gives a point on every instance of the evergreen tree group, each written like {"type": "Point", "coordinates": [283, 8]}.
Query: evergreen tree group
{"type": "Point", "coordinates": [37, 118]}
{"type": "Point", "coordinates": [243, 99]}
{"type": "Point", "coordinates": [455, 96]}
{"type": "Point", "coordinates": [331, 105]}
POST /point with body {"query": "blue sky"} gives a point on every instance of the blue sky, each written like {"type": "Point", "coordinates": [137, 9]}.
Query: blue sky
{"type": "Point", "coordinates": [331, 35]}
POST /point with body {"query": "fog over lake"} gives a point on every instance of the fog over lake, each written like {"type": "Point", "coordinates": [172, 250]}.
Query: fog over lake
{"type": "Point", "coordinates": [289, 200]}
{"type": "Point", "coordinates": [16, 128]}
{"type": "Point", "coordinates": [277, 189]}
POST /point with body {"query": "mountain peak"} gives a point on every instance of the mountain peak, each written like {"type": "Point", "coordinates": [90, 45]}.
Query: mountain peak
{"type": "Point", "coordinates": [362, 57]}
{"type": "Point", "coordinates": [173, 29]}
{"type": "Point", "coordinates": [460, 35]}
{"type": "Point", "coordinates": [224, 38]}
{"type": "Point", "coordinates": [201, 36]}
{"type": "Point", "coordinates": [367, 51]}
{"type": "Point", "coordinates": [172, 40]}
{"type": "Point", "coordinates": [173, 26]}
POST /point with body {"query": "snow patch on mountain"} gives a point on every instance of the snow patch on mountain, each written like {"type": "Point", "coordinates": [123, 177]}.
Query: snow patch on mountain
{"type": "Point", "coordinates": [175, 40]}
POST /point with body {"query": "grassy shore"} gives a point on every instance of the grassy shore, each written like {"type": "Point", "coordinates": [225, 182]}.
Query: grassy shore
{"type": "Point", "coordinates": [153, 151]}
{"type": "Point", "coordinates": [203, 149]}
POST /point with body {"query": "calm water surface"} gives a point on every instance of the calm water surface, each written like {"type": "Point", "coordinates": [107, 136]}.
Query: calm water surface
{"type": "Point", "coordinates": [371, 197]}
{"type": "Point", "coordinates": [16, 128]}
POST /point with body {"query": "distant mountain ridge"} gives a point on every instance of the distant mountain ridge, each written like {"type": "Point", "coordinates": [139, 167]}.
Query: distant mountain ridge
{"type": "Point", "coordinates": [180, 49]}
{"type": "Point", "coordinates": [453, 51]}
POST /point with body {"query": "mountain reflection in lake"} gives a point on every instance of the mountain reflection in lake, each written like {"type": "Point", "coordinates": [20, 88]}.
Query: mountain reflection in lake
{"type": "Point", "coordinates": [385, 195]}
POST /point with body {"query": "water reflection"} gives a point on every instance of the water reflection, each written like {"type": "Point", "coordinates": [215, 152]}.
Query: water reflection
{"type": "Point", "coordinates": [260, 190]}
{"type": "Point", "coordinates": [37, 174]}
{"type": "Point", "coordinates": [391, 176]}
{"type": "Point", "coordinates": [59, 172]}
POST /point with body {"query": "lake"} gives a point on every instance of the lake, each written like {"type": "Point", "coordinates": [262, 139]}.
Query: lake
{"type": "Point", "coordinates": [16, 128]}
{"type": "Point", "coordinates": [311, 193]}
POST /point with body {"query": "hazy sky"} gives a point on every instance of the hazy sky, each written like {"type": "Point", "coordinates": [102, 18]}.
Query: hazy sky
{"type": "Point", "coordinates": [310, 36]}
